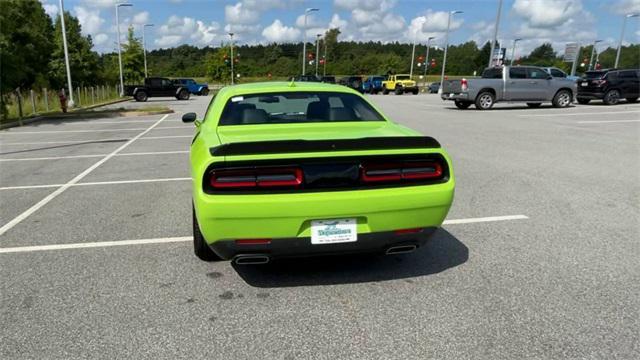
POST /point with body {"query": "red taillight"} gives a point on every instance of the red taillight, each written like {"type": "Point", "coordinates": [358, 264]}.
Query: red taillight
{"type": "Point", "coordinates": [464, 84]}
{"type": "Point", "coordinates": [258, 177]}
{"type": "Point", "coordinates": [407, 231]}
{"type": "Point", "coordinates": [390, 172]}
{"type": "Point", "coordinates": [253, 241]}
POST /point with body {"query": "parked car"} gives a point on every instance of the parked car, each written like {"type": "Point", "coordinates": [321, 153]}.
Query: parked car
{"type": "Point", "coordinates": [529, 84]}
{"type": "Point", "coordinates": [399, 84]}
{"type": "Point", "coordinates": [273, 179]}
{"type": "Point", "coordinates": [330, 79]}
{"type": "Point", "coordinates": [373, 84]}
{"type": "Point", "coordinates": [306, 78]}
{"type": "Point", "coordinates": [434, 87]}
{"type": "Point", "coordinates": [157, 87]}
{"type": "Point", "coordinates": [193, 86]}
{"type": "Point", "coordinates": [610, 86]}
{"type": "Point", "coordinates": [354, 82]}
{"type": "Point", "coordinates": [557, 73]}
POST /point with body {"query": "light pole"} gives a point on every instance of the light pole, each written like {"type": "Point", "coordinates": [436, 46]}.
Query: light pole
{"type": "Point", "coordinates": [593, 52]}
{"type": "Point", "coordinates": [426, 60]}
{"type": "Point", "coordinates": [317, 51]}
{"type": "Point", "coordinates": [304, 45]}
{"type": "Point", "coordinates": [66, 56]}
{"type": "Point", "coordinates": [413, 55]}
{"type": "Point", "coordinates": [446, 46]}
{"type": "Point", "coordinates": [324, 63]}
{"type": "Point", "coordinates": [119, 49]}
{"type": "Point", "coordinates": [495, 34]}
{"type": "Point", "coordinates": [624, 22]}
{"type": "Point", "coordinates": [232, 78]}
{"type": "Point", "coordinates": [513, 50]}
{"type": "Point", "coordinates": [144, 49]}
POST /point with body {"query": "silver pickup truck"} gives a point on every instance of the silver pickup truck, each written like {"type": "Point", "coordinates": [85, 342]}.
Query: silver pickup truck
{"type": "Point", "coordinates": [529, 84]}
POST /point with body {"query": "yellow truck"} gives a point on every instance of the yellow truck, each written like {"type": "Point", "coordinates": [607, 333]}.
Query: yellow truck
{"type": "Point", "coordinates": [399, 84]}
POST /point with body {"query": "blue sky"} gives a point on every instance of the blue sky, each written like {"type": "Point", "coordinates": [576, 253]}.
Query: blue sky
{"type": "Point", "coordinates": [206, 22]}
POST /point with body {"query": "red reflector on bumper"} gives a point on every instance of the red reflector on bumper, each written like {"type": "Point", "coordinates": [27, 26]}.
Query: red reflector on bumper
{"type": "Point", "coordinates": [408, 231]}
{"type": "Point", "coordinates": [253, 241]}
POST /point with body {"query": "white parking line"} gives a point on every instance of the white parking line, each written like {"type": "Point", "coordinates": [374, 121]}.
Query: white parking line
{"type": "Point", "coordinates": [115, 182]}
{"type": "Point", "coordinates": [98, 155]}
{"type": "Point", "coordinates": [84, 131]}
{"type": "Point", "coordinates": [606, 121]}
{"type": "Point", "coordinates": [8, 226]}
{"type": "Point", "coordinates": [23, 249]}
{"type": "Point", "coordinates": [582, 114]}
{"type": "Point", "coordinates": [98, 140]}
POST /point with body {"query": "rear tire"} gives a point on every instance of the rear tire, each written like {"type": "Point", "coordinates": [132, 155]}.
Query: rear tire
{"type": "Point", "coordinates": [204, 92]}
{"type": "Point", "coordinates": [584, 101]}
{"type": "Point", "coordinates": [200, 247]}
{"type": "Point", "coordinates": [534, 105]}
{"type": "Point", "coordinates": [141, 96]}
{"type": "Point", "coordinates": [399, 90]}
{"type": "Point", "coordinates": [415, 92]}
{"type": "Point", "coordinates": [562, 99]}
{"type": "Point", "coordinates": [385, 91]}
{"type": "Point", "coordinates": [612, 97]}
{"type": "Point", "coordinates": [632, 100]}
{"type": "Point", "coordinates": [183, 95]}
{"type": "Point", "coordinates": [462, 105]}
{"type": "Point", "coordinates": [485, 100]}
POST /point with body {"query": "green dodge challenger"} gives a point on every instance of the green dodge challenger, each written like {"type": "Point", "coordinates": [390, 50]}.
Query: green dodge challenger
{"type": "Point", "coordinates": [297, 169]}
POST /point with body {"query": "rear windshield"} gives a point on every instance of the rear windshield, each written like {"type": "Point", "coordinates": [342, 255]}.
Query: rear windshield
{"type": "Point", "coordinates": [494, 73]}
{"type": "Point", "coordinates": [297, 107]}
{"type": "Point", "coordinates": [594, 74]}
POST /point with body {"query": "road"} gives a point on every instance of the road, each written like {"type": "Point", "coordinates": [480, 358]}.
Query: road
{"type": "Point", "coordinates": [96, 259]}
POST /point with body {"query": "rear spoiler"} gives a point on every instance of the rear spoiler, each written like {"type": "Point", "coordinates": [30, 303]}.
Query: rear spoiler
{"type": "Point", "coordinates": [301, 146]}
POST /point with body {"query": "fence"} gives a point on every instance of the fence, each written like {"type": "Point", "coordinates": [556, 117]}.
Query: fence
{"type": "Point", "coordinates": [26, 103]}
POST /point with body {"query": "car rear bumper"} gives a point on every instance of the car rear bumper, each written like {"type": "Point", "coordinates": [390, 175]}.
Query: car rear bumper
{"type": "Point", "coordinates": [455, 96]}
{"type": "Point", "coordinates": [590, 95]}
{"type": "Point", "coordinates": [378, 242]}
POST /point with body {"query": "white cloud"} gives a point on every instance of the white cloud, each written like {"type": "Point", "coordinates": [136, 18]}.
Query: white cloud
{"type": "Point", "coordinates": [168, 40]}
{"type": "Point", "coordinates": [179, 30]}
{"type": "Point", "coordinates": [50, 9]}
{"type": "Point", "coordinates": [436, 21]}
{"type": "Point", "coordinates": [100, 39]}
{"type": "Point", "coordinates": [279, 33]}
{"type": "Point", "coordinates": [240, 14]}
{"type": "Point", "coordinates": [263, 5]}
{"type": "Point", "coordinates": [624, 7]}
{"type": "Point", "coordinates": [367, 5]}
{"type": "Point", "coordinates": [90, 20]}
{"type": "Point", "coordinates": [547, 13]}
{"type": "Point", "coordinates": [101, 3]}
{"type": "Point", "coordinates": [141, 18]}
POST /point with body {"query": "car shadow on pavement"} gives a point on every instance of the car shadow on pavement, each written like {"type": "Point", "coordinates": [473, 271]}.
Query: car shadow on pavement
{"type": "Point", "coordinates": [443, 252]}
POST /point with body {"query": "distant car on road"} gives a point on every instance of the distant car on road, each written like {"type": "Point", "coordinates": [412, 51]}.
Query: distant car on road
{"type": "Point", "coordinates": [329, 79]}
{"type": "Point", "coordinates": [373, 84]}
{"type": "Point", "coordinates": [557, 73]}
{"type": "Point", "coordinates": [609, 85]}
{"type": "Point", "coordinates": [193, 86]}
{"type": "Point", "coordinates": [529, 84]}
{"type": "Point", "coordinates": [157, 87]}
{"type": "Point", "coordinates": [433, 87]}
{"type": "Point", "coordinates": [354, 82]}
{"type": "Point", "coordinates": [399, 84]}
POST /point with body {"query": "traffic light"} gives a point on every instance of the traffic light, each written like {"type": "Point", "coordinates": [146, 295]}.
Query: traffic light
{"type": "Point", "coordinates": [433, 63]}
{"type": "Point", "coordinates": [226, 60]}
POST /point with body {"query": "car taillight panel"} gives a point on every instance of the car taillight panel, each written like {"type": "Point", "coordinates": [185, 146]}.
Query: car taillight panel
{"type": "Point", "coordinates": [397, 172]}
{"type": "Point", "coordinates": [464, 84]}
{"type": "Point", "coordinates": [256, 178]}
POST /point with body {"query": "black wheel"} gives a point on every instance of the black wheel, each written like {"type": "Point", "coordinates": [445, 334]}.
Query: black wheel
{"type": "Point", "coordinates": [385, 91]}
{"type": "Point", "coordinates": [398, 90]}
{"type": "Point", "coordinates": [204, 92]}
{"type": "Point", "coordinates": [183, 95]}
{"type": "Point", "coordinates": [141, 95]}
{"type": "Point", "coordinates": [415, 92]}
{"type": "Point", "coordinates": [485, 100]}
{"type": "Point", "coordinates": [200, 247]}
{"type": "Point", "coordinates": [534, 105]}
{"type": "Point", "coordinates": [462, 104]}
{"type": "Point", "coordinates": [583, 101]}
{"type": "Point", "coordinates": [562, 99]}
{"type": "Point", "coordinates": [632, 100]}
{"type": "Point", "coordinates": [612, 97]}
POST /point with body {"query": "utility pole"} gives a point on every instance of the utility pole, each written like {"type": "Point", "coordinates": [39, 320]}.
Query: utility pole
{"type": "Point", "coordinates": [232, 60]}
{"type": "Point", "coordinates": [304, 44]}
{"type": "Point", "coordinates": [427, 62]}
{"type": "Point", "coordinates": [575, 61]}
{"type": "Point", "coordinates": [446, 46]}
{"type": "Point", "coordinates": [324, 64]}
{"type": "Point", "coordinates": [66, 56]}
{"type": "Point", "coordinates": [513, 50]}
{"type": "Point", "coordinates": [593, 52]}
{"type": "Point", "coordinates": [144, 49]}
{"type": "Point", "coordinates": [413, 55]}
{"type": "Point", "coordinates": [317, 58]}
{"type": "Point", "coordinates": [624, 23]}
{"type": "Point", "coordinates": [495, 34]}
{"type": "Point", "coordinates": [119, 47]}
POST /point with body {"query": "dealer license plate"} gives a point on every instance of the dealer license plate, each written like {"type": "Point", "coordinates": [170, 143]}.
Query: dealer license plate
{"type": "Point", "coordinates": [333, 231]}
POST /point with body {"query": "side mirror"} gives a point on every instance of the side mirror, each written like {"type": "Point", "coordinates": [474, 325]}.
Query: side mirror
{"type": "Point", "coordinates": [189, 117]}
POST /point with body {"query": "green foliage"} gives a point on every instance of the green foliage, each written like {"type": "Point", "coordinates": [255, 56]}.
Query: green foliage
{"type": "Point", "coordinates": [132, 59]}
{"type": "Point", "coordinates": [543, 55]}
{"type": "Point", "coordinates": [217, 70]}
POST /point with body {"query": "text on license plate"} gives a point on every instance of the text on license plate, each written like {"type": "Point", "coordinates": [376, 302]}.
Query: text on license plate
{"type": "Point", "coordinates": [334, 231]}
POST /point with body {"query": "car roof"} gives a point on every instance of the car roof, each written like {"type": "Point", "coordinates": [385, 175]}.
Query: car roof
{"type": "Point", "coordinates": [281, 86]}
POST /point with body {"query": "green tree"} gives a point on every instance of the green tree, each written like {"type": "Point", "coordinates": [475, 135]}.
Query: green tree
{"type": "Point", "coordinates": [331, 43]}
{"type": "Point", "coordinates": [132, 59]}
{"type": "Point", "coordinates": [217, 69]}
{"type": "Point", "coordinates": [543, 55]}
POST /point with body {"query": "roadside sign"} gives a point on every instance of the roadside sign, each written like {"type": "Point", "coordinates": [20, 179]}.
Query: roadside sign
{"type": "Point", "coordinates": [571, 52]}
{"type": "Point", "coordinates": [498, 56]}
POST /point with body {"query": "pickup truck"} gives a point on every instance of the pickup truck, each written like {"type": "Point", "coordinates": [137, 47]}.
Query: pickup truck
{"type": "Point", "coordinates": [529, 84]}
{"type": "Point", "coordinates": [193, 86]}
{"type": "Point", "coordinates": [399, 84]}
{"type": "Point", "coordinates": [373, 84]}
{"type": "Point", "coordinates": [157, 87]}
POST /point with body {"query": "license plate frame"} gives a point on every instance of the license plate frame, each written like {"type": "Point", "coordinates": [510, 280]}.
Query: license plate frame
{"type": "Point", "coordinates": [334, 231]}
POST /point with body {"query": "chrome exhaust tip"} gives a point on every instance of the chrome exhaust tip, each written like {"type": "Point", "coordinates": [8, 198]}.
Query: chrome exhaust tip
{"type": "Point", "coordinates": [401, 249]}
{"type": "Point", "coordinates": [251, 259]}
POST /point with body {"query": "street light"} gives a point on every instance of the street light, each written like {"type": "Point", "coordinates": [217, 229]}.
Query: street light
{"type": "Point", "coordinates": [426, 60]}
{"type": "Point", "coordinates": [495, 34]}
{"type": "Point", "coordinates": [413, 54]}
{"type": "Point", "coordinates": [446, 46]}
{"type": "Point", "coordinates": [318, 36]}
{"type": "Point", "coordinates": [624, 22]}
{"type": "Point", "coordinates": [66, 55]}
{"type": "Point", "coordinates": [118, 5]}
{"type": "Point", "coordinates": [593, 52]}
{"type": "Point", "coordinates": [304, 45]}
{"type": "Point", "coordinates": [513, 50]}
{"type": "Point", "coordinates": [232, 79]}
{"type": "Point", "coordinates": [144, 48]}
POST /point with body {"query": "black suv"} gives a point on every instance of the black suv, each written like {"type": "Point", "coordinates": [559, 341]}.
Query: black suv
{"type": "Point", "coordinates": [609, 85]}
{"type": "Point", "coordinates": [354, 82]}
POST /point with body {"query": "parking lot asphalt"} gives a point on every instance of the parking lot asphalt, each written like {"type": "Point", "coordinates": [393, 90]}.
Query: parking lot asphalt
{"type": "Point", "coordinates": [538, 258]}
